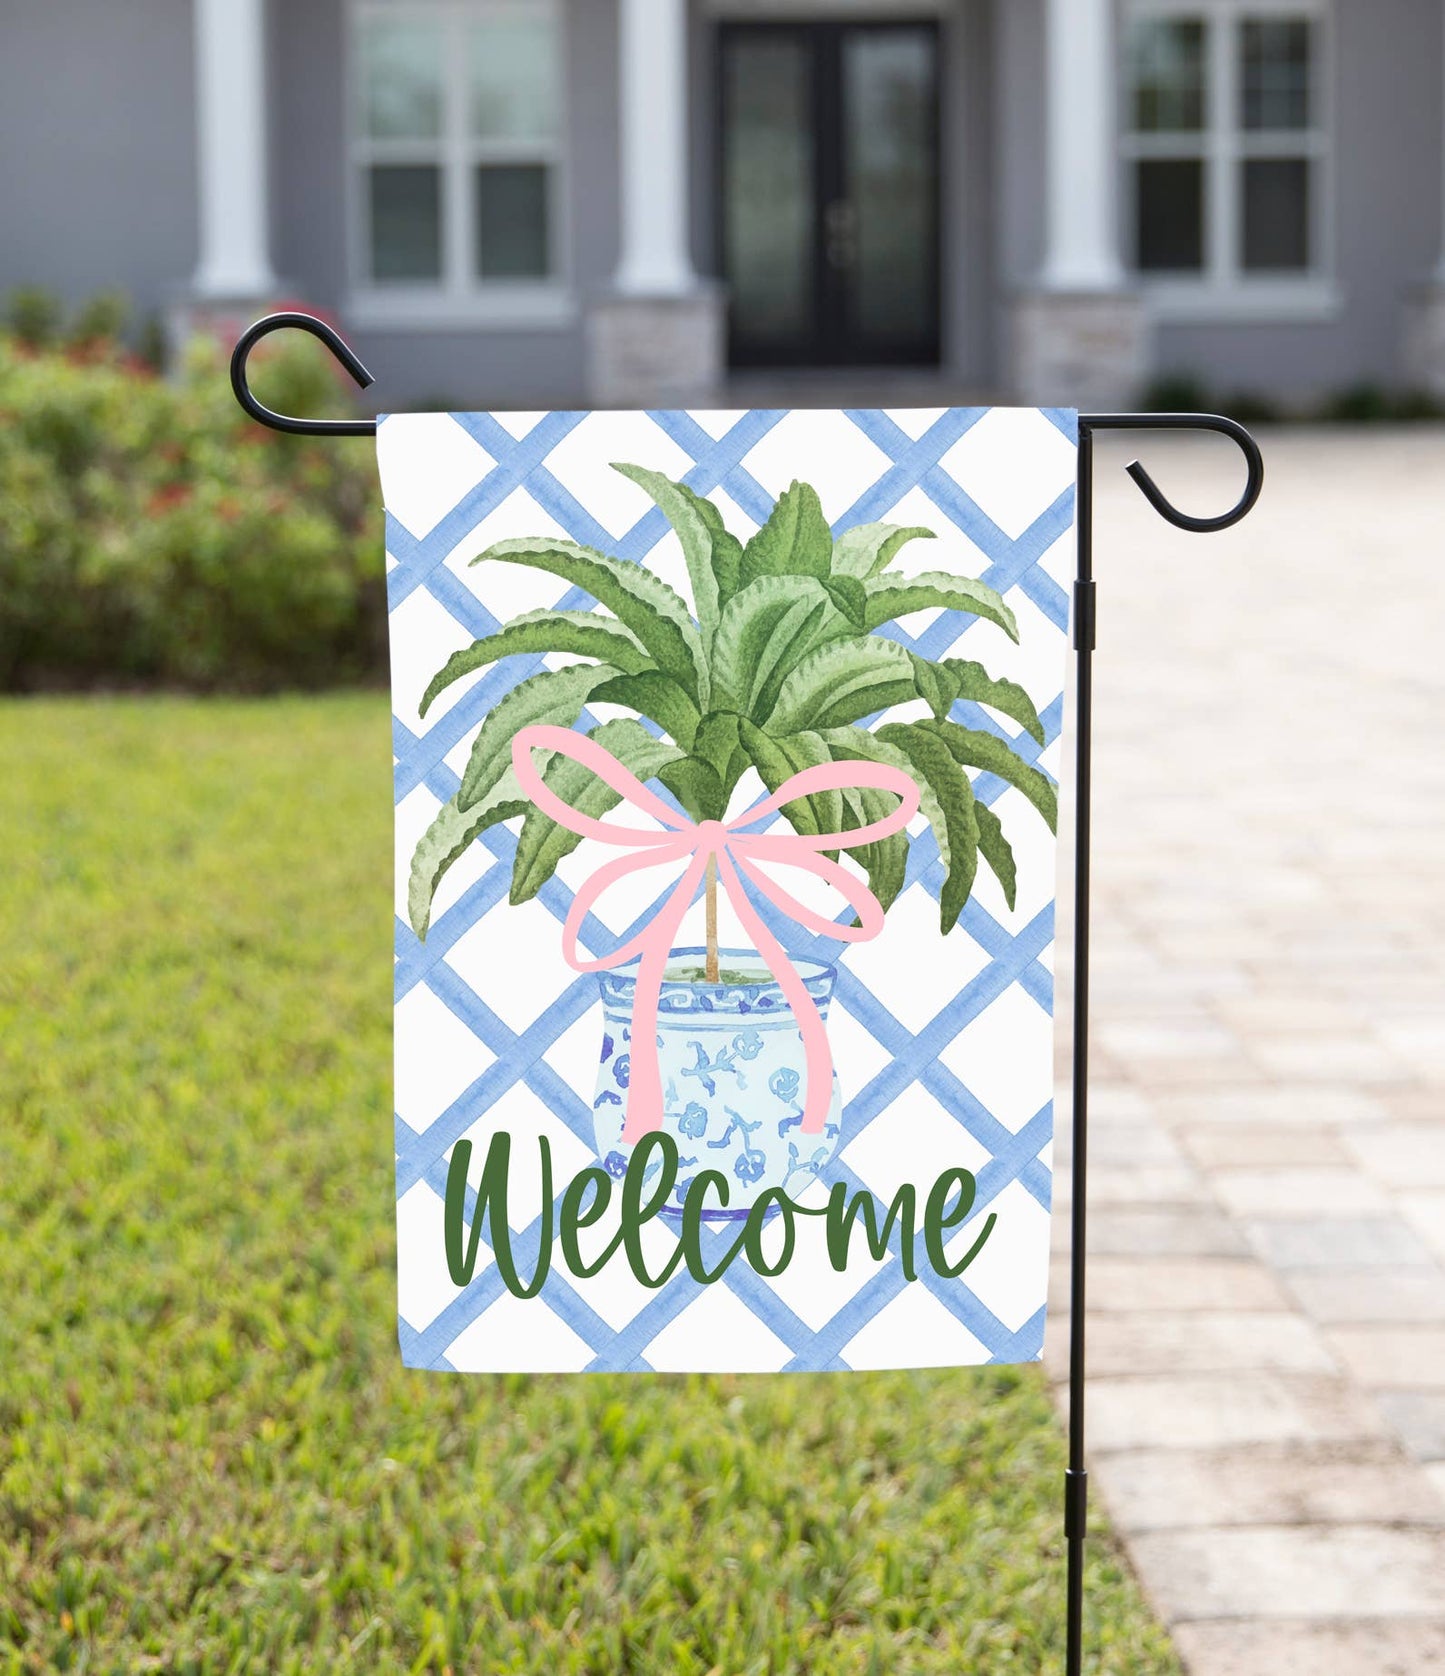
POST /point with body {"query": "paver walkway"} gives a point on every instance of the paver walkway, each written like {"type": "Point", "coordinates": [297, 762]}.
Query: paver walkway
{"type": "Point", "coordinates": [1267, 1171]}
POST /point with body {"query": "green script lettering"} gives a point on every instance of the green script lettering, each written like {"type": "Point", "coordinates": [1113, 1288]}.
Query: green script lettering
{"type": "Point", "coordinates": [843, 1211]}
{"type": "Point", "coordinates": [647, 1185]}
{"type": "Point", "coordinates": [492, 1200]}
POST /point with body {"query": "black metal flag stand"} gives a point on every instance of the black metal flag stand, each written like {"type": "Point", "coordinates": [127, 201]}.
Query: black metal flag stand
{"type": "Point", "coordinates": [1076, 1476]}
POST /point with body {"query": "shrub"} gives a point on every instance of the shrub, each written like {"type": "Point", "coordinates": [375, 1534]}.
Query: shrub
{"type": "Point", "coordinates": [153, 534]}
{"type": "Point", "coordinates": [1176, 392]}
{"type": "Point", "coordinates": [1252, 407]}
{"type": "Point", "coordinates": [1357, 404]}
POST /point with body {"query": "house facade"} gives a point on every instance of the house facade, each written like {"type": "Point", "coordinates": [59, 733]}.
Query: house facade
{"type": "Point", "coordinates": [546, 202]}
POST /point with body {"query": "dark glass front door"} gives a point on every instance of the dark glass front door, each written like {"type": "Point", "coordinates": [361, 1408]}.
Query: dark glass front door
{"type": "Point", "coordinates": [829, 151]}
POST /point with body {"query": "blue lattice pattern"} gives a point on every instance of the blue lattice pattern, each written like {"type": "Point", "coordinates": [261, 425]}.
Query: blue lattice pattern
{"type": "Point", "coordinates": [947, 1042]}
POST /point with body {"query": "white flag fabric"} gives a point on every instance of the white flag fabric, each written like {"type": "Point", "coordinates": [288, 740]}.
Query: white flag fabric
{"type": "Point", "coordinates": [726, 773]}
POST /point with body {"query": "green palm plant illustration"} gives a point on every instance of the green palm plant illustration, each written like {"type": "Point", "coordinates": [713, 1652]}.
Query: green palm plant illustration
{"type": "Point", "coordinates": [774, 668]}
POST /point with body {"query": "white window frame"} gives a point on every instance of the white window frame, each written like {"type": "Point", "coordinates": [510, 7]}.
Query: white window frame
{"type": "Point", "coordinates": [461, 297]}
{"type": "Point", "coordinates": [1224, 289]}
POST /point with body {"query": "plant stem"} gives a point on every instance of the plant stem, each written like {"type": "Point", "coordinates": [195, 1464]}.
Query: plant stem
{"type": "Point", "coordinates": [711, 973]}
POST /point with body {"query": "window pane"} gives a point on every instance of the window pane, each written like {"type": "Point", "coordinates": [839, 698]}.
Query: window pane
{"type": "Point", "coordinates": [511, 202]}
{"type": "Point", "coordinates": [405, 221]}
{"type": "Point", "coordinates": [514, 75]}
{"type": "Point", "coordinates": [769, 182]}
{"type": "Point", "coordinates": [1166, 75]}
{"type": "Point", "coordinates": [888, 93]}
{"type": "Point", "coordinates": [1169, 214]}
{"type": "Point", "coordinates": [401, 80]}
{"type": "Point", "coordinates": [1275, 73]}
{"type": "Point", "coordinates": [1276, 213]}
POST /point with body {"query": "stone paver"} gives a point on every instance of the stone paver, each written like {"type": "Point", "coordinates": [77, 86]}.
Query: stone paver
{"type": "Point", "coordinates": [1309, 1571]}
{"type": "Point", "coordinates": [1175, 1231]}
{"type": "Point", "coordinates": [1419, 1419]}
{"type": "Point", "coordinates": [1401, 1358]}
{"type": "Point", "coordinates": [1290, 1647]}
{"type": "Point", "coordinates": [1267, 1484]}
{"type": "Point", "coordinates": [1267, 1139]}
{"type": "Point", "coordinates": [1336, 1242]}
{"type": "Point", "coordinates": [1159, 1342]}
{"type": "Point", "coordinates": [1314, 1190]}
{"type": "Point", "coordinates": [1172, 1284]}
{"type": "Point", "coordinates": [1402, 1155]}
{"type": "Point", "coordinates": [1371, 1295]}
{"type": "Point", "coordinates": [1189, 1411]}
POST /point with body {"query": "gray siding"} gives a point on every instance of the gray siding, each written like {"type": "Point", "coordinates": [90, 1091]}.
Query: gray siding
{"type": "Point", "coordinates": [97, 125]}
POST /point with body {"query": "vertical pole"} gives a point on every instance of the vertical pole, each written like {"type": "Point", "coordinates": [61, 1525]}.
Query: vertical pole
{"type": "Point", "coordinates": [1076, 1480]}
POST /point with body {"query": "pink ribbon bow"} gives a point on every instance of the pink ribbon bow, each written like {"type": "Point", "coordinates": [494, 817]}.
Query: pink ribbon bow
{"type": "Point", "coordinates": [739, 855]}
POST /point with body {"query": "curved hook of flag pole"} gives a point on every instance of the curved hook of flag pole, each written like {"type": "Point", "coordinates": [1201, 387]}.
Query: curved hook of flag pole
{"type": "Point", "coordinates": [338, 346]}
{"type": "Point", "coordinates": [1088, 422]}
{"type": "Point", "coordinates": [1254, 461]}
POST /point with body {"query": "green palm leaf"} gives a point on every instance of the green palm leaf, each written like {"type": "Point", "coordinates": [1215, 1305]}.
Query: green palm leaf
{"type": "Point", "coordinates": [868, 548]}
{"type": "Point", "coordinates": [639, 600]}
{"type": "Point", "coordinates": [892, 597]}
{"type": "Point", "coordinates": [716, 744]}
{"type": "Point", "coordinates": [778, 759]}
{"type": "Point", "coordinates": [656, 696]}
{"type": "Point", "coordinates": [580, 633]}
{"type": "Point", "coordinates": [885, 860]}
{"type": "Point", "coordinates": [780, 665]}
{"type": "Point", "coordinates": [996, 851]}
{"type": "Point", "coordinates": [851, 598]}
{"type": "Point", "coordinates": [935, 764]}
{"type": "Point", "coordinates": [445, 841]}
{"type": "Point", "coordinates": [697, 786]}
{"type": "Point", "coordinates": [795, 541]}
{"type": "Point", "coordinates": [841, 683]}
{"type": "Point", "coordinates": [712, 554]}
{"type": "Point", "coordinates": [544, 842]}
{"type": "Point", "coordinates": [554, 696]}
{"type": "Point", "coordinates": [856, 744]}
{"type": "Point", "coordinates": [991, 755]}
{"type": "Point", "coordinates": [934, 684]}
{"type": "Point", "coordinates": [766, 629]}
{"type": "Point", "coordinates": [727, 553]}
{"type": "Point", "coordinates": [972, 681]}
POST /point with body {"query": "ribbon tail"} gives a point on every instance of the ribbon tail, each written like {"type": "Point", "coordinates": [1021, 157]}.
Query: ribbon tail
{"type": "Point", "coordinates": [644, 1086]}
{"type": "Point", "coordinates": [817, 1054]}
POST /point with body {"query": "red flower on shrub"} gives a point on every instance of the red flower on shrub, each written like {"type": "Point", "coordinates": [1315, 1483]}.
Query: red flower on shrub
{"type": "Point", "coordinates": [169, 496]}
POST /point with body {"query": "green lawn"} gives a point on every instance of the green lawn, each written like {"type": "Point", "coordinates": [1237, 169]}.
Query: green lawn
{"type": "Point", "coordinates": [211, 1458]}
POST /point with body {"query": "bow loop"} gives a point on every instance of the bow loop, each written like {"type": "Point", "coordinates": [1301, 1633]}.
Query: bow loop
{"type": "Point", "coordinates": [742, 860]}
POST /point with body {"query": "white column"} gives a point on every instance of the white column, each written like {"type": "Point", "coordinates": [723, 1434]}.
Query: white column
{"type": "Point", "coordinates": [1439, 274]}
{"type": "Point", "coordinates": [1082, 245]}
{"type": "Point", "coordinates": [231, 149]}
{"type": "Point", "coordinates": [654, 259]}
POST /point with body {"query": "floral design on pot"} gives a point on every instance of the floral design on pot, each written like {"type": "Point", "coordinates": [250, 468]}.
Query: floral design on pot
{"type": "Point", "coordinates": [733, 1072]}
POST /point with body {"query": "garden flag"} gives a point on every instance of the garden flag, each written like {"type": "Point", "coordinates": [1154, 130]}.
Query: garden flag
{"type": "Point", "coordinates": [726, 755]}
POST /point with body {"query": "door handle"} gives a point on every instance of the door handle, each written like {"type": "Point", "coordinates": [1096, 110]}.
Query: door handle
{"type": "Point", "coordinates": [840, 222]}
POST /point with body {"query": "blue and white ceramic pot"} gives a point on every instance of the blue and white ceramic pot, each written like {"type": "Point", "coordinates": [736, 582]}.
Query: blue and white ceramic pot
{"type": "Point", "coordinates": [733, 1076]}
